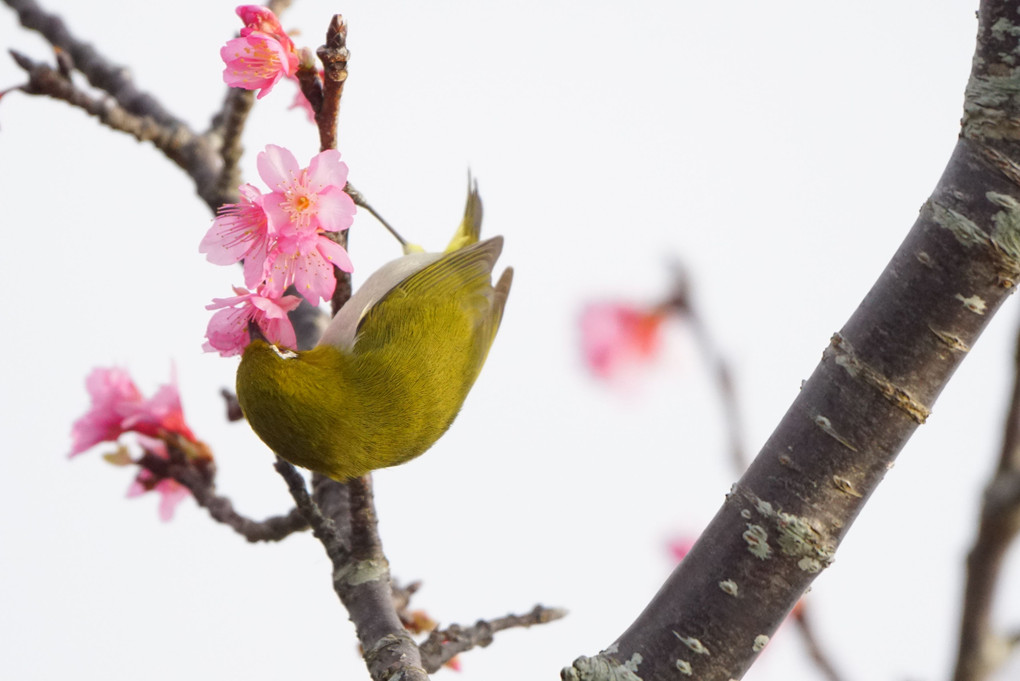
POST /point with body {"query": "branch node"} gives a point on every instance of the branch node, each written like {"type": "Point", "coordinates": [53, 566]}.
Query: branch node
{"type": "Point", "coordinates": [843, 354]}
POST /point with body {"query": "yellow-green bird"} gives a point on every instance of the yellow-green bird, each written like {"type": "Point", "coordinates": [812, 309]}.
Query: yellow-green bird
{"type": "Point", "coordinates": [393, 367]}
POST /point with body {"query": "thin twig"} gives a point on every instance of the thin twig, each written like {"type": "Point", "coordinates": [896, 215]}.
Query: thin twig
{"type": "Point", "coordinates": [221, 509]}
{"type": "Point", "coordinates": [361, 202]}
{"type": "Point", "coordinates": [189, 151]}
{"type": "Point", "coordinates": [981, 651]}
{"type": "Point", "coordinates": [228, 126]}
{"type": "Point", "coordinates": [322, 527]}
{"type": "Point", "coordinates": [101, 73]}
{"type": "Point", "coordinates": [815, 650]}
{"type": "Point", "coordinates": [443, 644]}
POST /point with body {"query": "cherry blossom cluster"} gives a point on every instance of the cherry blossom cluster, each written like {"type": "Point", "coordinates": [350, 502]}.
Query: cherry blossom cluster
{"type": "Point", "coordinates": [262, 56]}
{"type": "Point", "coordinates": [282, 237]}
{"type": "Point", "coordinates": [118, 407]}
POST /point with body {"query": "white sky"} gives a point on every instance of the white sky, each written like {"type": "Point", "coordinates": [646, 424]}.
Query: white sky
{"type": "Point", "coordinates": [781, 150]}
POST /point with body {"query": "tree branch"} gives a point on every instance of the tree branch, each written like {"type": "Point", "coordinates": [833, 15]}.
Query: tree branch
{"type": "Point", "coordinates": [203, 488]}
{"type": "Point", "coordinates": [361, 575]}
{"type": "Point", "coordinates": [782, 522]}
{"type": "Point", "coordinates": [443, 644]}
{"type": "Point", "coordinates": [334, 57]}
{"type": "Point", "coordinates": [100, 72]}
{"type": "Point", "coordinates": [981, 651]}
{"type": "Point", "coordinates": [682, 302]}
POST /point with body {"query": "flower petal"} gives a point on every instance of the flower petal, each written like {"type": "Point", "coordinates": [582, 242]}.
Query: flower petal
{"type": "Point", "coordinates": [277, 167]}
{"type": "Point", "coordinates": [335, 254]}
{"type": "Point", "coordinates": [335, 210]}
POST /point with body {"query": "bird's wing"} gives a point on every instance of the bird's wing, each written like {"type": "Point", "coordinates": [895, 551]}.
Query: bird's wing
{"type": "Point", "coordinates": [490, 324]}
{"type": "Point", "coordinates": [343, 328]}
{"type": "Point", "coordinates": [463, 275]}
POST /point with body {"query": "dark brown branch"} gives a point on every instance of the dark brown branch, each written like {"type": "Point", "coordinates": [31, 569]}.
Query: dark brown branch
{"type": "Point", "coordinates": [100, 72]}
{"type": "Point", "coordinates": [878, 379]}
{"type": "Point", "coordinates": [682, 302]}
{"type": "Point", "coordinates": [334, 57]}
{"type": "Point", "coordinates": [203, 489]}
{"type": "Point", "coordinates": [178, 143]}
{"type": "Point", "coordinates": [233, 407]}
{"type": "Point", "coordinates": [443, 644]}
{"type": "Point", "coordinates": [322, 527]}
{"type": "Point", "coordinates": [361, 575]}
{"type": "Point", "coordinates": [981, 649]}
{"type": "Point", "coordinates": [309, 81]}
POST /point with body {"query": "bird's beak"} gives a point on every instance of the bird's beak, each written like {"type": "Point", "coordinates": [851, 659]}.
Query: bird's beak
{"type": "Point", "coordinates": [254, 332]}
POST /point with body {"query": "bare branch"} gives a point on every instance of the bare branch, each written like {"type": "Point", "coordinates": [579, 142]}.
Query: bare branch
{"type": "Point", "coordinates": [443, 644]}
{"type": "Point", "coordinates": [202, 487]}
{"type": "Point", "coordinates": [322, 527]}
{"type": "Point", "coordinates": [100, 72]}
{"type": "Point", "coordinates": [226, 130]}
{"type": "Point", "coordinates": [981, 651]}
{"type": "Point", "coordinates": [817, 653]}
{"type": "Point", "coordinates": [178, 143]}
{"type": "Point", "coordinates": [361, 575]}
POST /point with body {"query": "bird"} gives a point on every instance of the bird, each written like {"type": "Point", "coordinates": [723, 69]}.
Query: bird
{"type": "Point", "coordinates": [393, 367]}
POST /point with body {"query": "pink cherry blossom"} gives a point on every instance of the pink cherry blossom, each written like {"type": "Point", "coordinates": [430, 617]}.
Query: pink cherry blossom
{"type": "Point", "coordinates": [240, 232]}
{"type": "Point", "coordinates": [307, 261]}
{"type": "Point", "coordinates": [170, 491]}
{"type": "Point", "coordinates": [227, 332]}
{"type": "Point", "coordinates": [118, 407]}
{"type": "Point", "coordinates": [262, 19]}
{"type": "Point", "coordinates": [614, 336]}
{"type": "Point", "coordinates": [109, 390]}
{"type": "Point", "coordinates": [305, 199]}
{"type": "Point", "coordinates": [257, 61]}
{"type": "Point", "coordinates": [161, 412]}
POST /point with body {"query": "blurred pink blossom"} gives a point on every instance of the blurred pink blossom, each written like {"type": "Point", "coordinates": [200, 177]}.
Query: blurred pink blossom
{"type": "Point", "coordinates": [118, 407]}
{"type": "Point", "coordinates": [160, 413]}
{"type": "Point", "coordinates": [170, 491]}
{"type": "Point", "coordinates": [679, 547]}
{"type": "Point", "coordinates": [615, 336]}
{"type": "Point", "coordinates": [301, 102]}
{"type": "Point", "coordinates": [110, 391]}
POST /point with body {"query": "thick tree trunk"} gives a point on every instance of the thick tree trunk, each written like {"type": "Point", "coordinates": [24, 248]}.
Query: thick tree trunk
{"type": "Point", "coordinates": [879, 376]}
